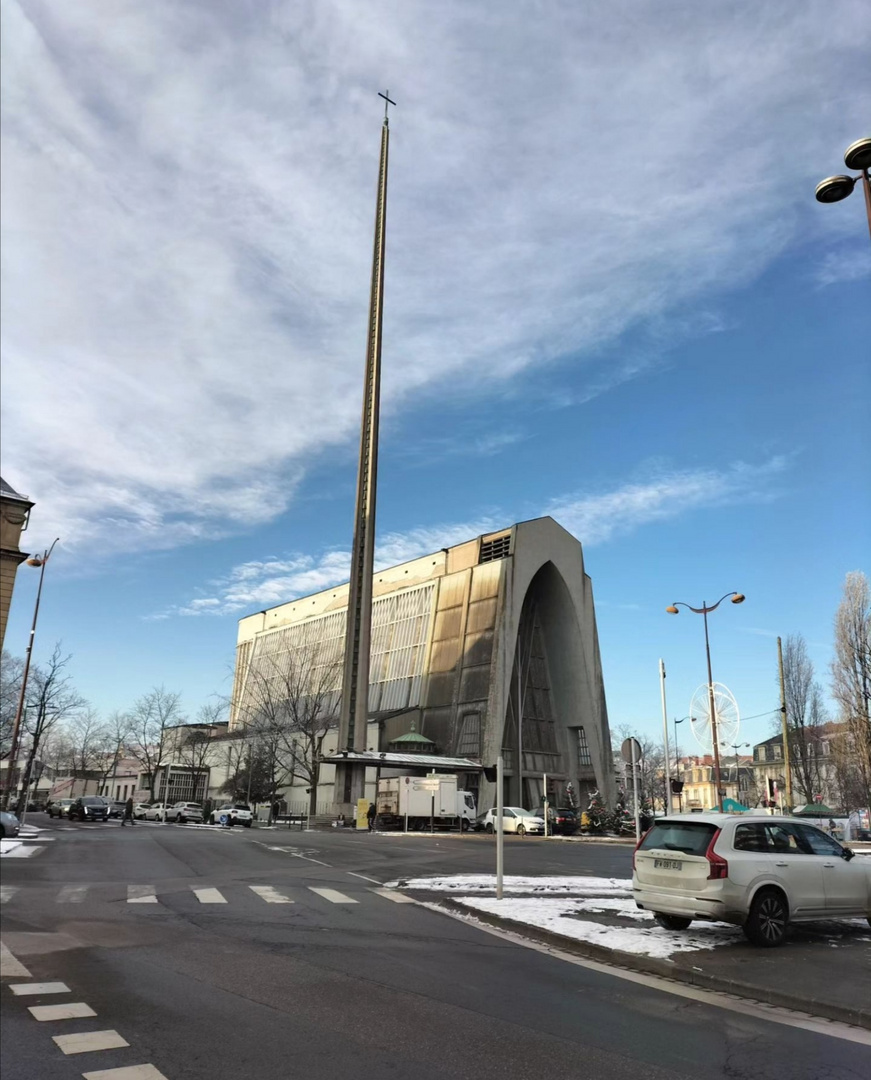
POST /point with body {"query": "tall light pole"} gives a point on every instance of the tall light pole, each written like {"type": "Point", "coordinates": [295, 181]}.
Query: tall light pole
{"type": "Point", "coordinates": [835, 188]}
{"type": "Point", "coordinates": [735, 748]}
{"type": "Point", "coordinates": [677, 759]}
{"type": "Point", "coordinates": [667, 800]}
{"type": "Point", "coordinates": [704, 610]}
{"type": "Point", "coordinates": [40, 561]}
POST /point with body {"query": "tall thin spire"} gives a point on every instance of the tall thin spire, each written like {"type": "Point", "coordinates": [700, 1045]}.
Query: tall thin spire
{"type": "Point", "coordinates": [354, 714]}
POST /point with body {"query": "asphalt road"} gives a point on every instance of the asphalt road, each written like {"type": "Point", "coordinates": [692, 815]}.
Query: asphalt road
{"type": "Point", "coordinates": [326, 989]}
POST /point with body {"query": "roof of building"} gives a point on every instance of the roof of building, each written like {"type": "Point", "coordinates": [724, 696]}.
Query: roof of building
{"type": "Point", "coordinates": [412, 738]}
{"type": "Point", "coordinates": [10, 493]}
{"type": "Point", "coordinates": [427, 761]}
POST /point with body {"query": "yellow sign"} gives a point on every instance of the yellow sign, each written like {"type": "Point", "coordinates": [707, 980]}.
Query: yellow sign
{"type": "Point", "coordinates": [362, 811]}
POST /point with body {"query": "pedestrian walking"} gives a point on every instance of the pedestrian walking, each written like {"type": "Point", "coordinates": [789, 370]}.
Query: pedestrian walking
{"type": "Point", "coordinates": [370, 817]}
{"type": "Point", "coordinates": [128, 812]}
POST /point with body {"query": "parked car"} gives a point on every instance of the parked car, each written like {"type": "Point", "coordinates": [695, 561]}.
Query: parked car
{"type": "Point", "coordinates": [140, 809]}
{"type": "Point", "coordinates": [182, 812]}
{"type": "Point", "coordinates": [89, 808]}
{"type": "Point", "coordinates": [156, 811]}
{"type": "Point", "coordinates": [759, 872]}
{"type": "Point", "coordinates": [561, 821]}
{"type": "Point", "coordinates": [9, 825]}
{"type": "Point", "coordinates": [59, 808]}
{"type": "Point", "coordinates": [515, 820]}
{"type": "Point", "coordinates": [236, 814]}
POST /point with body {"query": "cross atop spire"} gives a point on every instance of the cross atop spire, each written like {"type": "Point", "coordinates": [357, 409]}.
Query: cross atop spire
{"type": "Point", "coordinates": [387, 101]}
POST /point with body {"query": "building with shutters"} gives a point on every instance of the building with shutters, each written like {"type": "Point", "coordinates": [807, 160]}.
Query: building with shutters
{"type": "Point", "coordinates": [490, 644]}
{"type": "Point", "coordinates": [14, 516]}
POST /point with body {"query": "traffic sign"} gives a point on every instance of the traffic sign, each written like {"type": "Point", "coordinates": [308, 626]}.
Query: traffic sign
{"type": "Point", "coordinates": [427, 783]}
{"type": "Point", "coordinates": [631, 750]}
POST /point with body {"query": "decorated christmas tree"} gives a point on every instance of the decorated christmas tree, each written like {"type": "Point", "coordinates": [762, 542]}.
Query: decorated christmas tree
{"type": "Point", "coordinates": [597, 813]}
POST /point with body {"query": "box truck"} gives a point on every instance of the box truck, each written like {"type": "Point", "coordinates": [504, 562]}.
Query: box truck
{"type": "Point", "coordinates": [421, 798]}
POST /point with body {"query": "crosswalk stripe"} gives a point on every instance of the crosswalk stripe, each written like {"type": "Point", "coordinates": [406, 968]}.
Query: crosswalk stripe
{"type": "Point", "coordinates": [72, 894]}
{"type": "Point", "coordinates": [34, 988]}
{"type": "Point", "coordinates": [269, 894]}
{"type": "Point", "coordinates": [6, 893]}
{"type": "Point", "coordinates": [126, 1072]}
{"type": "Point", "coordinates": [141, 894]}
{"type": "Point", "coordinates": [333, 895]}
{"type": "Point", "coordinates": [208, 896]}
{"type": "Point", "coordinates": [73, 1011]}
{"type": "Point", "coordinates": [396, 897]}
{"type": "Point", "coordinates": [84, 1042]}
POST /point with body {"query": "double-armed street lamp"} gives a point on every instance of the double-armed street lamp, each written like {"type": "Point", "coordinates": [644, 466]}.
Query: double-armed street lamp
{"type": "Point", "coordinates": [40, 561]}
{"type": "Point", "coordinates": [835, 188]}
{"type": "Point", "coordinates": [704, 610]}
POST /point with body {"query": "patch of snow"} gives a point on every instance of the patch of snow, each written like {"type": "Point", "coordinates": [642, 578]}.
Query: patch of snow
{"type": "Point", "coordinates": [651, 940]}
{"type": "Point", "coordinates": [577, 885]}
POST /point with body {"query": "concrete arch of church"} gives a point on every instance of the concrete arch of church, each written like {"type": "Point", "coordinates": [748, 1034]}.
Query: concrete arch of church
{"type": "Point", "coordinates": [561, 593]}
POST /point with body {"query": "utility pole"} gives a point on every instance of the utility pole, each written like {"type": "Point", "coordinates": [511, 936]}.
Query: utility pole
{"type": "Point", "coordinates": [787, 770]}
{"type": "Point", "coordinates": [354, 714]}
{"type": "Point", "coordinates": [667, 800]}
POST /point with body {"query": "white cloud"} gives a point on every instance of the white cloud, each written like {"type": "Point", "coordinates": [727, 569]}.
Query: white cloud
{"type": "Point", "coordinates": [594, 519]}
{"type": "Point", "coordinates": [187, 202]}
{"type": "Point", "coordinates": [848, 264]}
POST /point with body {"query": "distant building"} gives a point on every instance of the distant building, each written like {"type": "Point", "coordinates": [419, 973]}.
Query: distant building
{"type": "Point", "coordinates": [466, 642]}
{"type": "Point", "coordinates": [815, 767]}
{"type": "Point", "coordinates": [14, 516]}
{"type": "Point", "coordinates": [700, 791]}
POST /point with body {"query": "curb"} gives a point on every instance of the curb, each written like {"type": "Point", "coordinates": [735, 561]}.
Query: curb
{"type": "Point", "coordinates": [649, 965]}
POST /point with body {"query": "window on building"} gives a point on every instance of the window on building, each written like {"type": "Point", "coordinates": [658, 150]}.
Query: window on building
{"type": "Point", "coordinates": [469, 742]}
{"type": "Point", "coordinates": [584, 757]}
{"type": "Point", "coordinates": [497, 547]}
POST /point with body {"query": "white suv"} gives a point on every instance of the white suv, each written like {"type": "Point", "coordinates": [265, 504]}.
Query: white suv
{"type": "Point", "coordinates": [757, 871]}
{"type": "Point", "coordinates": [235, 814]}
{"type": "Point", "coordinates": [515, 820]}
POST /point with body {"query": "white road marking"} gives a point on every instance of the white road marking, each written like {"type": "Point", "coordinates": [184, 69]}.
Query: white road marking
{"type": "Point", "coordinates": [72, 894]}
{"type": "Point", "coordinates": [86, 1041]}
{"type": "Point", "coordinates": [396, 897]}
{"type": "Point", "coordinates": [21, 852]}
{"type": "Point", "coordinates": [141, 894]}
{"type": "Point", "coordinates": [333, 895]}
{"type": "Point", "coordinates": [363, 876]}
{"type": "Point", "coordinates": [269, 894]}
{"type": "Point", "coordinates": [291, 851]}
{"type": "Point", "coordinates": [10, 967]}
{"type": "Point", "coordinates": [7, 892]}
{"type": "Point", "coordinates": [61, 1012]}
{"type": "Point", "coordinates": [754, 1009]}
{"type": "Point", "coordinates": [126, 1072]}
{"type": "Point", "coordinates": [32, 989]}
{"type": "Point", "coordinates": [208, 896]}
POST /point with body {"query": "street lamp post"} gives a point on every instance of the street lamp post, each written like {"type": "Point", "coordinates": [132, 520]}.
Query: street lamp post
{"type": "Point", "coordinates": [677, 760]}
{"type": "Point", "coordinates": [735, 748]}
{"type": "Point", "coordinates": [835, 188]}
{"type": "Point", "coordinates": [736, 598]}
{"type": "Point", "coordinates": [39, 561]}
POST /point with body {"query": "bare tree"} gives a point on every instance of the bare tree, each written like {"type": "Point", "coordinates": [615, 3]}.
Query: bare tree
{"type": "Point", "coordinates": [53, 700]}
{"type": "Point", "coordinates": [194, 748]}
{"type": "Point", "coordinates": [651, 768]}
{"type": "Point", "coordinates": [806, 717]}
{"type": "Point", "coordinates": [11, 670]}
{"type": "Point", "coordinates": [87, 735]}
{"type": "Point", "coordinates": [150, 718]}
{"type": "Point", "coordinates": [118, 734]}
{"type": "Point", "coordinates": [291, 703]}
{"type": "Point", "coordinates": [851, 679]}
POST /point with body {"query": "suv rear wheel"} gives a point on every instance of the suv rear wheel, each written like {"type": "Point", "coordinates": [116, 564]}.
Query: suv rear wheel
{"type": "Point", "coordinates": [671, 922]}
{"type": "Point", "coordinates": [488, 827]}
{"type": "Point", "coordinates": [768, 919]}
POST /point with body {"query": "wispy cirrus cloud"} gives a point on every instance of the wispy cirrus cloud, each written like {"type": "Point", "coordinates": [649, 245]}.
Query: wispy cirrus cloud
{"type": "Point", "coordinates": [593, 518]}
{"type": "Point", "coordinates": [187, 204]}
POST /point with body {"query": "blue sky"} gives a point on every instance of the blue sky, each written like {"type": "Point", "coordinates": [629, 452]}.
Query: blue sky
{"type": "Point", "coordinates": [610, 297]}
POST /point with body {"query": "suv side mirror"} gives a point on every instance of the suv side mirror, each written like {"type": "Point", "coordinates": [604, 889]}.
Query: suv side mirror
{"type": "Point", "coordinates": [848, 854]}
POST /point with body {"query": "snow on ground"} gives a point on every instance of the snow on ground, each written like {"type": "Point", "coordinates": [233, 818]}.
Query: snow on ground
{"type": "Point", "coordinates": [648, 940]}
{"type": "Point", "coordinates": [577, 885]}
{"type": "Point", "coordinates": [7, 846]}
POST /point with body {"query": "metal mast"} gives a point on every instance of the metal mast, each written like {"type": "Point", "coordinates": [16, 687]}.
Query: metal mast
{"type": "Point", "coordinates": [354, 714]}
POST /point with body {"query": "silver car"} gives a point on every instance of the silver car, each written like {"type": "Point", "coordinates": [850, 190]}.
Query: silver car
{"type": "Point", "coordinates": [757, 871]}
{"type": "Point", "coordinates": [515, 820]}
{"type": "Point", "coordinates": [183, 812]}
{"type": "Point", "coordinates": [9, 825]}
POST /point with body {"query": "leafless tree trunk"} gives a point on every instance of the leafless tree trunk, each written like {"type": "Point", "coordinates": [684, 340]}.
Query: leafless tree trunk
{"type": "Point", "coordinates": [805, 717]}
{"type": "Point", "coordinates": [851, 677]}
{"type": "Point", "coordinates": [150, 717]}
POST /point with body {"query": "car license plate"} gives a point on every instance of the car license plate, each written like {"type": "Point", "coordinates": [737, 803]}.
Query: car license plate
{"type": "Point", "coordinates": [667, 864]}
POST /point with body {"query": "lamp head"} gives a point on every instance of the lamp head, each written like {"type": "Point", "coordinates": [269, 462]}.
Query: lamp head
{"type": "Point", "coordinates": [672, 610]}
{"type": "Point", "coordinates": [834, 188]}
{"type": "Point", "coordinates": [858, 155]}
{"type": "Point", "coordinates": [738, 598]}
{"type": "Point", "coordinates": [35, 561]}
